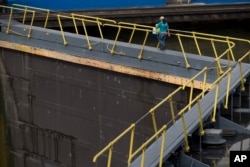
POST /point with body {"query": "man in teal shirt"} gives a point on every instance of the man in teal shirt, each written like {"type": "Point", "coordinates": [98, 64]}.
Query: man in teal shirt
{"type": "Point", "coordinates": [164, 30]}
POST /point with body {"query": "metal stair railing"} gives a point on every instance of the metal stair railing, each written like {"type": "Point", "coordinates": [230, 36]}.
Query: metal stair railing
{"type": "Point", "coordinates": [189, 121]}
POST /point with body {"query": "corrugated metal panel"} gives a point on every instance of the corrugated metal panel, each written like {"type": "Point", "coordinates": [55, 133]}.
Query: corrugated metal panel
{"type": "Point", "coordinates": [88, 4]}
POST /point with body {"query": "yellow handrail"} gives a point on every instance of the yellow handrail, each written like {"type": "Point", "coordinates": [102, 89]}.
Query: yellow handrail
{"type": "Point", "coordinates": [83, 20]}
{"type": "Point", "coordinates": [143, 147]}
{"type": "Point", "coordinates": [37, 9]}
{"type": "Point", "coordinates": [129, 27]}
{"type": "Point", "coordinates": [110, 146]}
{"type": "Point", "coordinates": [97, 20]}
{"type": "Point", "coordinates": [25, 13]}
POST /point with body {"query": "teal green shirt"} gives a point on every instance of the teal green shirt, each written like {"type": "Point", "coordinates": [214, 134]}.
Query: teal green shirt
{"type": "Point", "coordinates": [163, 26]}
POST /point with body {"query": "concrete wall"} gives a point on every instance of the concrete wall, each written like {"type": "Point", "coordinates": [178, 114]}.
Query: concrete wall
{"type": "Point", "coordinates": [63, 113]}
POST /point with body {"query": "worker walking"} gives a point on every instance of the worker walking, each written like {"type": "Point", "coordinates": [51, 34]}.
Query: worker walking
{"type": "Point", "coordinates": [163, 27]}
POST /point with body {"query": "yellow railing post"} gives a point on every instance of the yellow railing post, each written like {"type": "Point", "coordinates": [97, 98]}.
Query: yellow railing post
{"type": "Point", "coordinates": [132, 34]}
{"type": "Point", "coordinates": [116, 38]}
{"type": "Point", "coordinates": [204, 82]}
{"type": "Point", "coordinates": [183, 51]}
{"type": "Point", "coordinates": [196, 43]}
{"type": "Point", "coordinates": [143, 155]}
{"type": "Point", "coordinates": [47, 19]}
{"type": "Point", "coordinates": [131, 143]}
{"type": "Point", "coordinates": [187, 148]}
{"type": "Point", "coordinates": [86, 34]}
{"type": "Point", "coordinates": [24, 14]}
{"type": "Point", "coordinates": [215, 102]}
{"type": "Point", "coordinates": [172, 108]}
{"type": "Point", "coordinates": [152, 112]}
{"type": "Point", "coordinates": [228, 88]}
{"type": "Point", "coordinates": [110, 155]}
{"type": "Point", "coordinates": [163, 141]}
{"type": "Point", "coordinates": [110, 146]}
{"type": "Point", "coordinates": [9, 22]}
{"type": "Point", "coordinates": [200, 118]}
{"type": "Point", "coordinates": [191, 93]}
{"type": "Point", "coordinates": [143, 45]}
{"type": "Point", "coordinates": [61, 28]}
{"type": "Point", "coordinates": [31, 24]}
{"type": "Point", "coordinates": [75, 25]}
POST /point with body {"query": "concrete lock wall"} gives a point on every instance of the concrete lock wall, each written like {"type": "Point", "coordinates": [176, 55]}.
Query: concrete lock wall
{"type": "Point", "coordinates": [63, 113]}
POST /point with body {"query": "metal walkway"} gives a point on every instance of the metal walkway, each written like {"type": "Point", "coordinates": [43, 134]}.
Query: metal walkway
{"type": "Point", "coordinates": [175, 135]}
{"type": "Point", "coordinates": [216, 76]}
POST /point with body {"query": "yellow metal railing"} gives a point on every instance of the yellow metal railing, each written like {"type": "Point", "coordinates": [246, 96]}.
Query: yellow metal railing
{"type": "Point", "coordinates": [99, 21]}
{"type": "Point", "coordinates": [133, 27]}
{"type": "Point", "coordinates": [83, 21]}
{"type": "Point", "coordinates": [35, 9]}
{"type": "Point", "coordinates": [196, 37]}
{"type": "Point", "coordinates": [228, 42]}
{"type": "Point", "coordinates": [180, 114]}
{"type": "Point", "coordinates": [128, 26]}
{"type": "Point", "coordinates": [152, 111]}
{"type": "Point", "coordinates": [25, 12]}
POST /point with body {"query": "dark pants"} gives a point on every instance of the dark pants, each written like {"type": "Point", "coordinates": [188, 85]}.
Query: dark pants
{"type": "Point", "coordinates": [162, 40]}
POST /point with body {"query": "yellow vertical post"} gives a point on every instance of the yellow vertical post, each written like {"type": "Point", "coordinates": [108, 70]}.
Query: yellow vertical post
{"type": "Point", "coordinates": [183, 52]}
{"type": "Point", "coordinates": [132, 34]}
{"type": "Point", "coordinates": [24, 14]}
{"type": "Point", "coordinates": [204, 82]}
{"type": "Point", "coordinates": [31, 24]}
{"type": "Point", "coordinates": [47, 19]}
{"type": "Point", "coordinates": [143, 156]}
{"type": "Point", "coordinates": [116, 38]}
{"type": "Point", "coordinates": [131, 143]}
{"type": "Point", "coordinates": [60, 25]}
{"type": "Point", "coordinates": [191, 94]}
{"type": "Point", "coordinates": [99, 27]}
{"type": "Point", "coordinates": [110, 155]}
{"type": "Point", "coordinates": [215, 102]}
{"type": "Point", "coordinates": [172, 109]}
{"type": "Point", "coordinates": [75, 25]}
{"type": "Point", "coordinates": [10, 17]}
{"type": "Point", "coordinates": [163, 138]}
{"type": "Point", "coordinates": [228, 87]}
{"type": "Point", "coordinates": [152, 112]}
{"type": "Point", "coordinates": [200, 118]}
{"type": "Point", "coordinates": [86, 34]}
{"type": "Point", "coordinates": [196, 43]}
{"type": "Point", "coordinates": [143, 45]}
{"type": "Point", "coordinates": [187, 148]}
